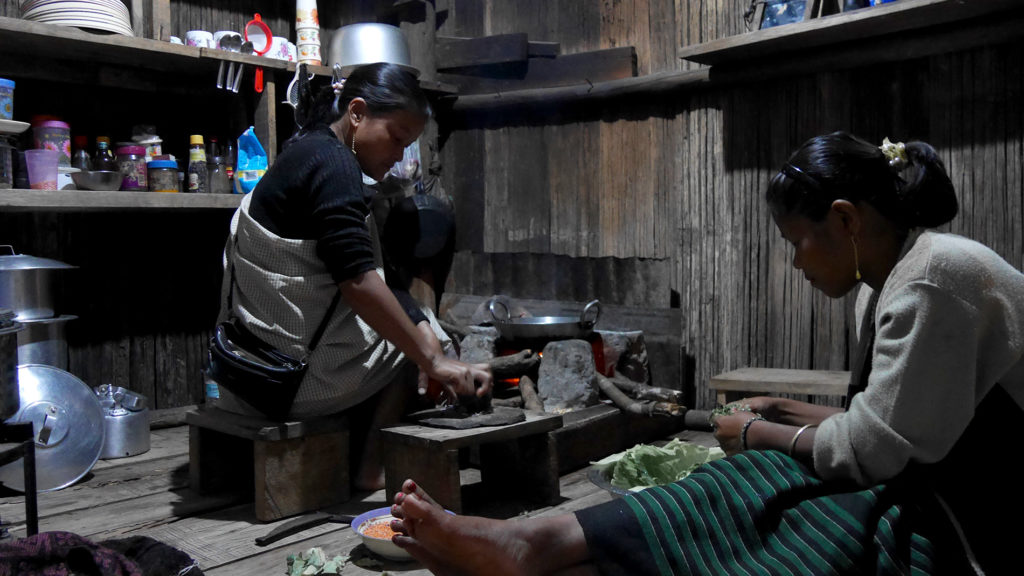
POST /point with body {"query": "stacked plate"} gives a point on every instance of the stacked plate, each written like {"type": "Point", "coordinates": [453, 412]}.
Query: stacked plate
{"type": "Point", "coordinates": [105, 15]}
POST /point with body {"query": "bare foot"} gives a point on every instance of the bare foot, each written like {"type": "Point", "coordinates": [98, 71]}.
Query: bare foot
{"type": "Point", "coordinates": [467, 545]}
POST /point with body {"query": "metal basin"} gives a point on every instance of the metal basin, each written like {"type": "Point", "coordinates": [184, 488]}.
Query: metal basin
{"type": "Point", "coordinates": [98, 180]}
{"type": "Point", "coordinates": [29, 285]}
{"type": "Point", "coordinates": [356, 45]}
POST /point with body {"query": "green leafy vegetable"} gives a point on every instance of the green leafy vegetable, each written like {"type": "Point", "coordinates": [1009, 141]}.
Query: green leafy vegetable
{"type": "Point", "coordinates": [643, 465]}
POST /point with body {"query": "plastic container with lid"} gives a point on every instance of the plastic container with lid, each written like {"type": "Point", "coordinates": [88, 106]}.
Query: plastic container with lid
{"type": "Point", "coordinates": [6, 98]}
{"type": "Point", "coordinates": [54, 135]}
{"type": "Point", "coordinates": [163, 176]}
{"type": "Point", "coordinates": [217, 171]}
{"type": "Point", "coordinates": [131, 161]}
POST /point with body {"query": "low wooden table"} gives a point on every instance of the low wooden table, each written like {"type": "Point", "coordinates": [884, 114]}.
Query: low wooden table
{"type": "Point", "coordinates": [737, 384]}
{"type": "Point", "coordinates": [518, 458]}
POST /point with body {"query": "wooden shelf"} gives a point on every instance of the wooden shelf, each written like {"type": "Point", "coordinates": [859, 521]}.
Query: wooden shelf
{"type": "Point", "coordinates": [442, 88]}
{"type": "Point", "coordinates": [864, 26]}
{"type": "Point", "coordinates": [91, 201]}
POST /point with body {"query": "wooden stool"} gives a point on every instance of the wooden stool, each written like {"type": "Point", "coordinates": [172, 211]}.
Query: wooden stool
{"type": "Point", "coordinates": [732, 386]}
{"type": "Point", "coordinates": [291, 467]}
{"type": "Point", "coordinates": [520, 458]}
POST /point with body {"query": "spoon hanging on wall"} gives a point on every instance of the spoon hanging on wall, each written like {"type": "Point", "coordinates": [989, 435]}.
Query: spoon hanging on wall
{"type": "Point", "coordinates": [245, 49]}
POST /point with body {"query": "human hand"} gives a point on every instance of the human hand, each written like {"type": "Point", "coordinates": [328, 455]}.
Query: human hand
{"type": "Point", "coordinates": [766, 406]}
{"type": "Point", "coordinates": [729, 429]}
{"type": "Point", "coordinates": [458, 378]}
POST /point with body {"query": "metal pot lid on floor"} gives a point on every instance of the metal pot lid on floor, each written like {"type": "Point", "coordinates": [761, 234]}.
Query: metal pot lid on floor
{"type": "Point", "coordinates": [68, 424]}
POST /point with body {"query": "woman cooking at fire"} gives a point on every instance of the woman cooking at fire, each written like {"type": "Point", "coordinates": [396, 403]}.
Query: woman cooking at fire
{"type": "Point", "coordinates": [911, 477]}
{"type": "Point", "coordinates": [302, 251]}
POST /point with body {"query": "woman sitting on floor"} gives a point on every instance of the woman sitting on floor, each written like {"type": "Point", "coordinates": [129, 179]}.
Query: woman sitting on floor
{"type": "Point", "coordinates": [905, 479]}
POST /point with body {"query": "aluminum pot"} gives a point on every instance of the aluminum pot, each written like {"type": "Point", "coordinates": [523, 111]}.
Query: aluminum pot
{"type": "Point", "coordinates": [29, 285]}
{"type": "Point", "coordinates": [44, 341]}
{"type": "Point", "coordinates": [125, 422]}
{"type": "Point", "coordinates": [10, 399]}
{"type": "Point", "coordinates": [544, 327]}
{"type": "Point", "coordinates": [356, 45]}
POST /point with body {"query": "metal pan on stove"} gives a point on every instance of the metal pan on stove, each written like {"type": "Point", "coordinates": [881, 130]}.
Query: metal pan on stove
{"type": "Point", "coordinates": [544, 327]}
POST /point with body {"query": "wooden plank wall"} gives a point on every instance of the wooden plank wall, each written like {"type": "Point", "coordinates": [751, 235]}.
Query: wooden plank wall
{"type": "Point", "coordinates": [683, 178]}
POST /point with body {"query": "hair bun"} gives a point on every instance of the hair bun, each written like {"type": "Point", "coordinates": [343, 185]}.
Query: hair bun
{"type": "Point", "coordinates": [927, 194]}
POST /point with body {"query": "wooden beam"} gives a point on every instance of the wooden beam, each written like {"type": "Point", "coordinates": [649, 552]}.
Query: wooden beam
{"type": "Point", "coordinates": [582, 68]}
{"type": "Point", "coordinates": [464, 52]}
{"type": "Point", "coordinates": [855, 26]}
{"type": "Point", "coordinates": [652, 84]}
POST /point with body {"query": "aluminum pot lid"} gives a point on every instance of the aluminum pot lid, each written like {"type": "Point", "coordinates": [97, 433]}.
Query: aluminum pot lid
{"type": "Point", "coordinates": [68, 425]}
{"type": "Point", "coordinates": [11, 261]}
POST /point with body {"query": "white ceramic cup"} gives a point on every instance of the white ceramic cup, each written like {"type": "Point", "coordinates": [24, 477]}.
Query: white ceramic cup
{"type": "Point", "coordinates": [293, 52]}
{"type": "Point", "coordinates": [307, 35]}
{"type": "Point", "coordinates": [199, 39]}
{"type": "Point", "coordinates": [175, 40]}
{"type": "Point", "coordinates": [306, 14]}
{"type": "Point", "coordinates": [309, 52]}
{"type": "Point", "coordinates": [278, 48]}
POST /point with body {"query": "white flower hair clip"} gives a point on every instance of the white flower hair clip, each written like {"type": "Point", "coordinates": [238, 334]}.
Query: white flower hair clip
{"type": "Point", "coordinates": [895, 153]}
{"type": "Point", "coordinates": [337, 81]}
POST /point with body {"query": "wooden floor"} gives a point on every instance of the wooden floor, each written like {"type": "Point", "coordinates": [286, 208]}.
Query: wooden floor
{"type": "Point", "coordinates": [148, 495]}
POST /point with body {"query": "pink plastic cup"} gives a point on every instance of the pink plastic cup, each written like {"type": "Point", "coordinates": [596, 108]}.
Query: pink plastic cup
{"type": "Point", "coordinates": [42, 169]}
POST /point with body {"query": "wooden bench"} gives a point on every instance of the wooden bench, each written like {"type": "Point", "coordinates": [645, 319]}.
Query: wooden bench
{"type": "Point", "coordinates": [291, 467]}
{"type": "Point", "coordinates": [516, 459]}
{"type": "Point", "coordinates": [737, 384]}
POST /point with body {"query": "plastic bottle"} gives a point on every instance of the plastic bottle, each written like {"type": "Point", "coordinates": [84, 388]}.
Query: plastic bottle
{"type": "Point", "coordinates": [80, 157]}
{"type": "Point", "coordinates": [197, 171]}
{"type": "Point", "coordinates": [104, 158]}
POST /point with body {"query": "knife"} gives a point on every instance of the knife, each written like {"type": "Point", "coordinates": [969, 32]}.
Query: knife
{"type": "Point", "coordinates": [302, 523]}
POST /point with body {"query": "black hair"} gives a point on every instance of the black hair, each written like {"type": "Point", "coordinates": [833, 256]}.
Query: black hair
{"type": "Point", "coordinates": [841, 166]}
{"type": "Point", "coordinates": [385, 88]}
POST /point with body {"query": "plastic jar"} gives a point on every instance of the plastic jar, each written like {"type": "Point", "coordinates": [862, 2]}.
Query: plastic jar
{"type": "Point", "coordinates": [6, 98]}
{"type": "Point", "coordinates": [217, 179]}
{"type": "Point", "coordinates": [163, 176]}
{"type": "Point", "coordinates": [54, 135]}
{"type": "Point", "coordinates": [131, 161]}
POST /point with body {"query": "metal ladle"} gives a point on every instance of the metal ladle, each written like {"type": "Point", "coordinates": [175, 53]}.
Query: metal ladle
{"type": "Point", "coordinates": [229, 43]}
{"type": "Point", "coordinates": [246, 48]}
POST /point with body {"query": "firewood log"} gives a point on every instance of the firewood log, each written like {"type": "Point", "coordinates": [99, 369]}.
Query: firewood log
{"type": "Point", "coordinates": [642, 391]}
{"type": "Point", "coordinates": [627, 404]}
{"type": "Point", "coordinates": [528, 390]}
{"type": "Point", "coordinates": [514, 365]}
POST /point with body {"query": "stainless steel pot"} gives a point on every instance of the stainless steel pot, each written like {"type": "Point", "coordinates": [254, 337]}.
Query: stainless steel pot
{"type": "Point", "coordinates": [126, 422]}
{"type": "Point", "coordinates": [44, 341]}
{"type": "Point", "coordinates": [355, 45]}
{"type": "Point", "coordinates": [29, 285]}
{"type": "Point", "coordinates": [10, 399]}
{"type": "Point", "coordinates": [544, 327]}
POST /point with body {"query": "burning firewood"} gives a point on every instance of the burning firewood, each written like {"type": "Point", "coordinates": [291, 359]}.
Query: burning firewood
{"type": "Point", "coordinates": [514, 365]}
{"type": "Point", "coordinates": [642, 391]}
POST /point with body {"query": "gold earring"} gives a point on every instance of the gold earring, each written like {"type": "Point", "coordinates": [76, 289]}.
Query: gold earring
{"type": "Point", "coordinates": [856, 260]}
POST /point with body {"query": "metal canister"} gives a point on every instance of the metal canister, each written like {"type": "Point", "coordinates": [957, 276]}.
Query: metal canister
{"type": "Point", "coordinates": [126, 422]}
{"type": "Point", "coordinates": [10, 399]}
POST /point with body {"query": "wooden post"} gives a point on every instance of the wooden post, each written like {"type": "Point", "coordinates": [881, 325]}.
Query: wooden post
{"type": "Point", "coordinates": [266, 120]}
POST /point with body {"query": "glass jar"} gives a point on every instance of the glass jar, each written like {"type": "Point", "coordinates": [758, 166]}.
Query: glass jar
{"type": "Point", "coordinates": [218, 183]}
{"type": "Point", "coordinates": [6, 164]}
{"type": "Point", "coordinates": [131, 161]}
{"type": "Point", "coordinates": [163, 176]}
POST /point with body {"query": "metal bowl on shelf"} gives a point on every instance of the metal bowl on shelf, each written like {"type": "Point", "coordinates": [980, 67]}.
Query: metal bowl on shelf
{"type": "Point", "coordinates": [97, 180]}
{"type": "Point", "coordinates": [356, 45]}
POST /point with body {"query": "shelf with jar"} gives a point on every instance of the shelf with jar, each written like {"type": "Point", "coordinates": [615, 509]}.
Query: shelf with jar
{"type": "Point", "coordinates": [16, 200]}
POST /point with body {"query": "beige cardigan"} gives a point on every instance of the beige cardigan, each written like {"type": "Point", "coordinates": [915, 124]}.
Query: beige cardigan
{"type": "Point", "coordinates": [949, 326]}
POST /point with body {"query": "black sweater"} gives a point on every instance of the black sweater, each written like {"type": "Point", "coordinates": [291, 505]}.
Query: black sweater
{"type": "Point", "coordinates": [314, 191]}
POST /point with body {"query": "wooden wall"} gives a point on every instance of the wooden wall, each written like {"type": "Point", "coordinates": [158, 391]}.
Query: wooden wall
{"type": "Point", "coordinates": [683, 177]}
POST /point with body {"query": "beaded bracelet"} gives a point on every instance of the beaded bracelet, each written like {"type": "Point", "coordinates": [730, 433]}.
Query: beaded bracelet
{"type": "Point", "coordinates": [792, 444]}
{"type": "Point", "coordinates": [746, 426]}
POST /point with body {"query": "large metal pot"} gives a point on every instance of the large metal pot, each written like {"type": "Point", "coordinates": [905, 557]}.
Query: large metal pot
{"type": "Point", "coordinates": [29, 285]}
{"type": "Point", "coordinates": [44, 341]}
{"type": "Point", "coordinates": [543, 327]}
{"type": "Point", "coordinates": [10, 399]}
{"type": "Point", "coordinates": [355, 45]}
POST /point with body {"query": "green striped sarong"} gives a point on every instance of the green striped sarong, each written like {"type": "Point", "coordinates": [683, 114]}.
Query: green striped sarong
{"type": "Point", "coordinates": [763, 512]}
